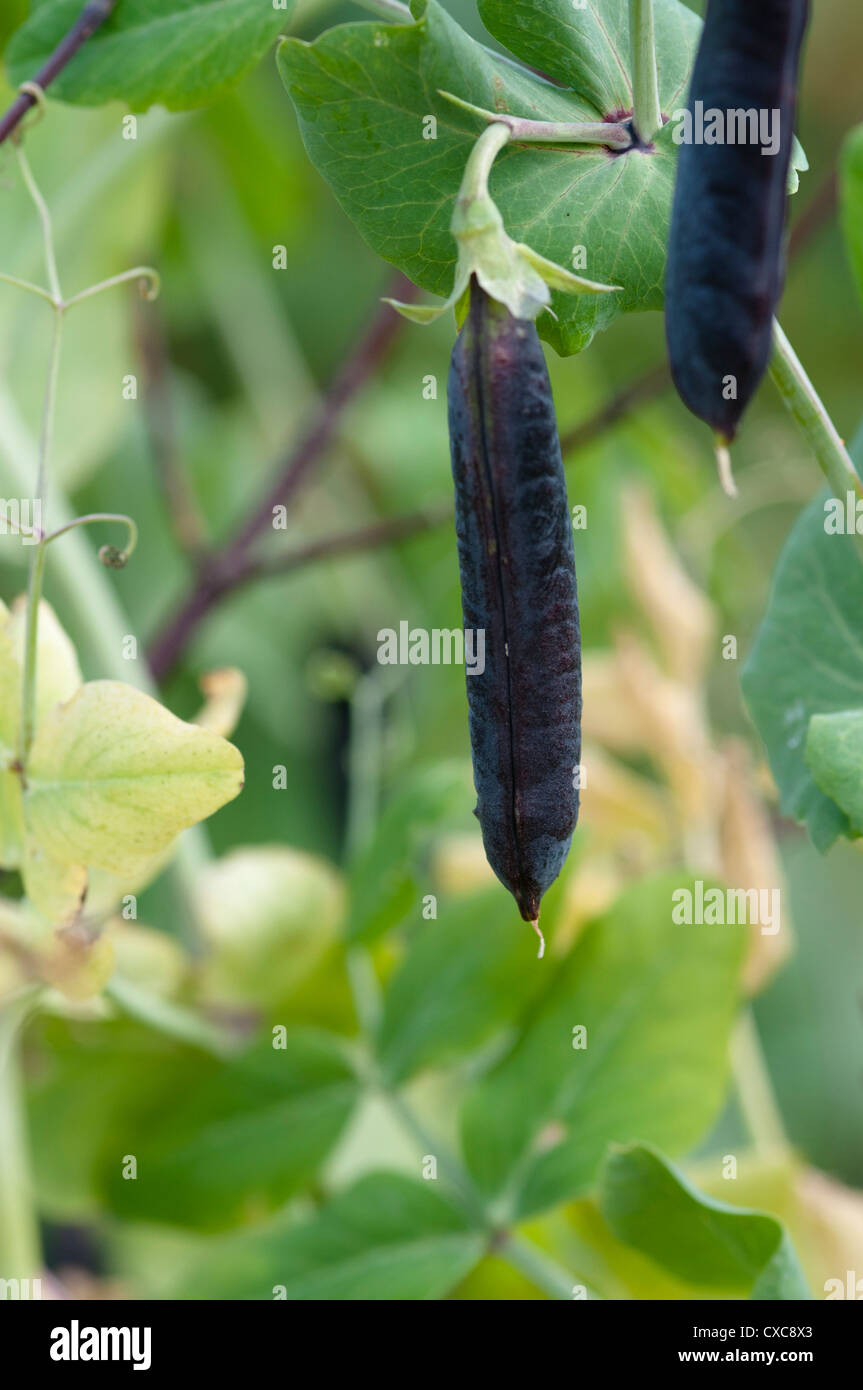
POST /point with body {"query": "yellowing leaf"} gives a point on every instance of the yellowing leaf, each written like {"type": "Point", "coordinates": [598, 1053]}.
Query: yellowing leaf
{"type": "Point", "coordinates": [55, 887]}
{"type": "Point", "coordinates": [10, 784]}
{"type": "Point", "coordinates": [114, 776]}
{"type": "Point", "coordinates": [58, 674]}
{"type": "Point", "coordinates": [11, 820]}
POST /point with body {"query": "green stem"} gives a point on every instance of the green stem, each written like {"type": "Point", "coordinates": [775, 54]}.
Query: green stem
{"type": "Point", "coordinates": [364, 762]}
{"type": "Point", "coordinates": [550, 132]}
{"type": "Point", "coordinates": [804, 403]}
{"type": "Point", "coordinates": [540, 1269]}
{"type": "Point", "coordinates": [646, 112]}
{"type": "Point", "coordinates": [45, 220]}
{"type": "Point", "coordinates": [469, 1199]}
{"type": "Point", "coordinates": [168, 1018]}
{"type": "Point", "coordinates": [755, 1090]}
{"type": "Point", "coordinates": [37, 560]}
{"type": "Point", "coordinates": [474, 184]}
{"type": "Point", "coordinates": [27, 726]}
{"type": "Point", "coordinates": [20, 1254]}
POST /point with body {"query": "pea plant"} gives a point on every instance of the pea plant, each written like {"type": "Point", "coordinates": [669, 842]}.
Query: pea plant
{"type": "Point", "coordinates": [353, 1080]}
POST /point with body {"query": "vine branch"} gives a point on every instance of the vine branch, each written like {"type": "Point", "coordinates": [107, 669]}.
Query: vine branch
{"type": "Point", "coordinates": [227, 568]}
{"type": "Point", "coordinates": [91, 18]}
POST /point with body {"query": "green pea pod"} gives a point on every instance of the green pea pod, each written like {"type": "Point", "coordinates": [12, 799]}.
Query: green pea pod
{"type": "Point", "coordinates": [519, 588]}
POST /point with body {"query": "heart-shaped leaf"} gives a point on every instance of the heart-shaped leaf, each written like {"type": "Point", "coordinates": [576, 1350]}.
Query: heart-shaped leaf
{"type": "Point", "coordinates": [113, 777]}
{"type": "Point", "coordinates": [394, 151]}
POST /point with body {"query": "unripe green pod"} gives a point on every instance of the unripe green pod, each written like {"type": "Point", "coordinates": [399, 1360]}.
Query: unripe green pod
{"type": "Point", "coordinates": [518, 585]}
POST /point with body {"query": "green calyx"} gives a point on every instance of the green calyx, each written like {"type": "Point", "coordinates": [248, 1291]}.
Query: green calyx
{"type": "Point", "coordinates": [513, 274]}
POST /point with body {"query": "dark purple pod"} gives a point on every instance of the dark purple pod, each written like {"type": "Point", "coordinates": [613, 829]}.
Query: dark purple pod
{"type": "Point", "coordinates": [518, 587]}
{"type": "Point", "coordinates": [725, 254]}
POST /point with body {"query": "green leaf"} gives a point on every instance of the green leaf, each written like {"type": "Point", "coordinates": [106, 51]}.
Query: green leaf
{"type": "Point", "coordinates": [363, 93]}
{"type": "Point", "coordinates": [247, 1138]}
{"type": "Point", "coordinates": [650, 1205]}
{"type": "Point", "coordinates": [657, 1000]}
{"type": "Point", "coordinates": [834, 755]}
{"type": "Point", "coordinates": [465, 974]}
{"type": "Point", "coordinates": [807, 660]}
{"type": "Point", "coordinates": [387, 1238]}
{"type": "Point", "coordinates": [13, 14]}
{"type": "Point", "coordinates": [175, 52]}
{"type": "Point", "coordinates": [113, 777]}
{"type": "Point", "coordinates": [851, 201]}
{"type": "Point", "coordinates": [91, 1086]}
{"type": "Point", "coordinates": [588, 49]}
{"type": "Point", "coordinates": [383, 880]}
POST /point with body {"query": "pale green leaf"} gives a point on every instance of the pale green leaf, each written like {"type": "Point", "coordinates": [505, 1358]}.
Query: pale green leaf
{"type": "Point", "coordinates": [58, 674]}
{"type": "Point", "coordinates": [650, 1205]}
{"type": "Point", "coordinates": [114, 776]}
{"type": "Point", "coordinates": [11, 815]}
{"type": "Point", "coordinates": [269, 914]}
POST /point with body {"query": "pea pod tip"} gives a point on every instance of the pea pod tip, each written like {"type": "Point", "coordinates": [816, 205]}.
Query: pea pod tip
{"type": "Point", "coordinates": [541, 952]}
{"type": "Point", "coordinates": [723, 463]}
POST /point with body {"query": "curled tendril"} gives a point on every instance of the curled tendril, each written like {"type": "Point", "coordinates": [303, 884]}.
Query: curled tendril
{"type": "Point", "coordinates": [37, 111]}
{"type": "Point", "coordinates": [110, 555]}
{"type": "Point", "coordinates": [113, 558]}
{"type": "Point", "coordinates": [150, 284]}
